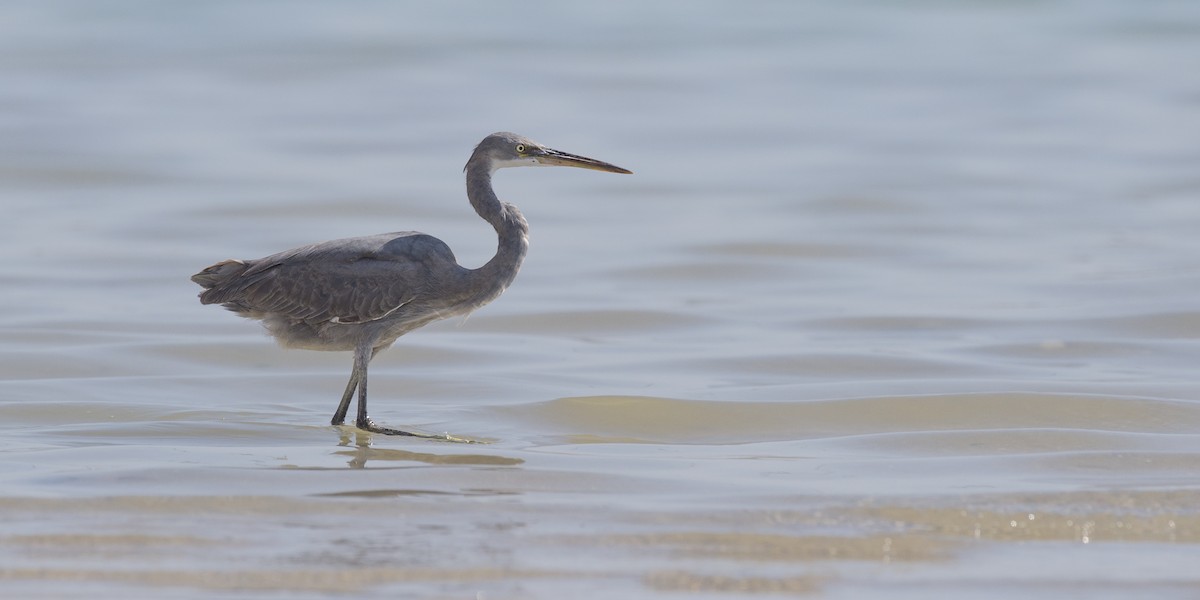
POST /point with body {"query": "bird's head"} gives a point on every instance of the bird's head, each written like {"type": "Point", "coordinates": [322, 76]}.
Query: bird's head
{"type": "Point", "coordinates": [504, 149]}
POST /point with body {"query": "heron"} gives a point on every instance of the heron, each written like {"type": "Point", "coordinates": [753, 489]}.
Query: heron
{"type": "Point", "coordinates": [361, 294]}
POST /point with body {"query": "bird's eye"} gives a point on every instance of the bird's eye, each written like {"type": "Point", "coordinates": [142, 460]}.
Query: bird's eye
{"type": "Point", "coordinates": [520, 147]}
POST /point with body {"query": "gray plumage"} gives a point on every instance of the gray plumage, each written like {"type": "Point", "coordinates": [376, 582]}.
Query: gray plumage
{"type": "Point", "coordinates": [361, 294]}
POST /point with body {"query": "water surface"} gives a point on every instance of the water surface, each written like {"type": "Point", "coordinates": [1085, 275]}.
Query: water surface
{"type": "Point", "coordinates": [900, 300]}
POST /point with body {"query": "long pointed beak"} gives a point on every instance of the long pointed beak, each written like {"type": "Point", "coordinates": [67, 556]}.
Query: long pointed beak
{"type": "Point", "coordinates": [564, 159]}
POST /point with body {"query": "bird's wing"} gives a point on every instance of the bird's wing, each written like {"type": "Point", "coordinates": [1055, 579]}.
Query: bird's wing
{"type": "Point", "coordinates": [343, 281]}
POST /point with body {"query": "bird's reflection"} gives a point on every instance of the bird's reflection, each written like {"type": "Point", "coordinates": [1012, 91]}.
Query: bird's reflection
{"type": "Point", "coordinates": [360, 451]}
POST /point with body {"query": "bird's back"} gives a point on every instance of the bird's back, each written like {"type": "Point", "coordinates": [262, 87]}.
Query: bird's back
{"type": "Point", "coordinates": [320, 295]}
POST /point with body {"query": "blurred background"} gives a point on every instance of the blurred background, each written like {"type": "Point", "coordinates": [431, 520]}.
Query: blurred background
{"type": "Point", "coordinates": [894, 288]}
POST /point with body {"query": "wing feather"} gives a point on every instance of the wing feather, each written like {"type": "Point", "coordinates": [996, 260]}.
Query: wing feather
{"type": "Point", "coordinates": [354, 280]}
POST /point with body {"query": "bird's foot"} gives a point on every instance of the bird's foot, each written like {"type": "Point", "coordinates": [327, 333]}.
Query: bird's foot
{"type": "Point", "coordinates": [369, 425]}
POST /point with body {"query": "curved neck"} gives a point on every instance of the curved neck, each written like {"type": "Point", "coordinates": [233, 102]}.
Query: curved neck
{"type": "Point", "coordinates": [510, 227]}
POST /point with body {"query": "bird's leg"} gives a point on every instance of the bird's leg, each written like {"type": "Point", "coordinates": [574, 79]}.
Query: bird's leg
{"type": "Point", "coordinates": [339, 416]}
{"type": "Point", "coordinates": [358, 380]}
{"type": "Point", "coordinates": [362, 358]}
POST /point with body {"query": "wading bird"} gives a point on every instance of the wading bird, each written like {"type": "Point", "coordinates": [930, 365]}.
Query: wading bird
{"type": "Point", "coordinates": [361, 294]}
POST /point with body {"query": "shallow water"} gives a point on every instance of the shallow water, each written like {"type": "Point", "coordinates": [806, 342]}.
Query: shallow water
{"type": "Point", "coordinates": [899, 300]}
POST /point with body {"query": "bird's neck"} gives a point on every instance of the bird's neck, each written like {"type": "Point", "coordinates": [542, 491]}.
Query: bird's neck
{"type": "Point", "coordinates": [509, 224]}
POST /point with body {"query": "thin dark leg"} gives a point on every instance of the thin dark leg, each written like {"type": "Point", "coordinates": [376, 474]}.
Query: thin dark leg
{"type": "Point", "coordinates": [362, 358]}
{"type": "Point", "coordinates": [339, 417]}
{"type": "Point", "coordinates": [358, 381]}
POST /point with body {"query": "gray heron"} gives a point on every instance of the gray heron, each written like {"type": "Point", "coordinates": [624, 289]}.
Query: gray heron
{"type": "Point", "coordinates": [361, 294]}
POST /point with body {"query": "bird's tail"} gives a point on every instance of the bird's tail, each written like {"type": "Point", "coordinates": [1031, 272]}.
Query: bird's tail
{"type": "Point", "coordinates": [219, 273]}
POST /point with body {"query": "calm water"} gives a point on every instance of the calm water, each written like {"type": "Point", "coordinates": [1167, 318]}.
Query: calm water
{"type": "Point", "coordinates": [900, 300]}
